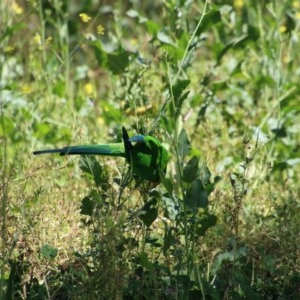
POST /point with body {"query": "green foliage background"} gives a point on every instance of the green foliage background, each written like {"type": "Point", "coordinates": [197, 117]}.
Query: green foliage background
{"type": "Point", "coordinates": [217, 82]}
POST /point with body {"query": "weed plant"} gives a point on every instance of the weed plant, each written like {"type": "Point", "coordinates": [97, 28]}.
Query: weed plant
{"type": "Point", "coordinates": [217, 82]}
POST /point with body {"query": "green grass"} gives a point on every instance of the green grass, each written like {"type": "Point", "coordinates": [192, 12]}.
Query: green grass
{"type": "Point", "coordinates": [217, 83]}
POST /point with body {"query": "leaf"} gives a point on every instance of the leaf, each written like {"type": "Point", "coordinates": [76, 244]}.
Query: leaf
{"type": "Point", "coordinates": [179, 87]}
{"type": "Point", "coordinates": [118, 61]}
{"type": "Point", "coordinates": [100, 53]}
{"type": "Point", "coordinates": [237, 43]}
{"type": "Point", "coordinates": [171, 210]}
{"type": "Point", "coordinates": [168, 122]}
{"type": "Point", "coordinates": [190, 171]}
{"type": "Point", "coordinates": [88, 203]}
{"type": "Point", "coordinates": [132, 13]}
{"type": "Point", "coordinates": [228, 256]}
{"type": "Point", "coordinates": [179, 103]}
{"type": "Point", "coordinates": [89, 165]}
{"type": "Point", "coordinates": [87, 206]}
{"type": "Point", "coordinates": [135, 15]}
{"type": "Point", "coordinates": [48, 251]}
{"type": "Point", "coordinates": [7, 125]}
{"type": "Point", "coordinates": [211, 19]}
{"type": "Point", "coordinates": [206, 175]}
{"type": "Point", "coordinates": [59, 88]}
{"type": "Point", "coordinates": [173, 53]}
{"type": "Point", "coordinates": [148, 213]}
{"type": "Point", "coordinates": [164, 38]}
{"type": "Point", "coordinates": [205, 220]}
{"type": "Point", "coordinates": [11, 30]}
{"type": "Point", "coordinates": [145, 263]}
{"type": "Point", "coordinates": [184, 145]}
{"type": "Point", "coordinates": [210, 186]}
{"type": "Point", "coordinates": [152, 27]}
{"type": "Point", "coordinates": [179, 96]}
{"type": "Point", "coordinates": [166, 182]}
{"type": "Point", "coordinates": [51, 133]}
{"type": "Point", "coordinates": [153, 241]}
{"type": "Point", "coordinates": [221, 50]}
{"type": "Point", "coordinates": [196, 196]}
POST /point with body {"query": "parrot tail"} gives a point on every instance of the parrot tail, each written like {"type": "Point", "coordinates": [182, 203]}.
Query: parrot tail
{"type": "Point", "coordinates": [105, 149]}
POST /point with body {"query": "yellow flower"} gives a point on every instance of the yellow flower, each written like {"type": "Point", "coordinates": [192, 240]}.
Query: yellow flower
{"type": "Point", "coordinates": [238, 4]}
{"type": "Point", "coordinates": [297, 15]}
{"type": "Point", "coordinates": [88, 89]}
{"type": "Point", "coordinates": [296, 4]}
{"type": "Point", "coordinates": [48, 40]}
{"type": "Point", "coordinates": [9, 49]}
{"type": "Point", "coordinates": [84, 17]}
{"type": "Point", "coordinates": [100, 30]}
{"type": "Point", "coordinates": [134, 42]}
{"type": "Point", "coordinates": [101, 121]}
{"type": "Point", "coordinates": [282, 29]}
{"type": "Point", "coordinates": [26, 89]}
{"type": "Point", "coordinates": [37, 39]}
{"type": "Point", "coordinates": [17, 8]}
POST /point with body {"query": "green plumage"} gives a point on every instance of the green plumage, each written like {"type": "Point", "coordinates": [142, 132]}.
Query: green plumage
{"type": "Point", "coordinates": [104, 149]}
{"type": "Point", "coordinates": [145, 154]}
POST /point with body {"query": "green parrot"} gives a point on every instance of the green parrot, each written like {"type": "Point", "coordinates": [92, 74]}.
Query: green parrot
{"type": "Point", "coordinates": [146, 155]}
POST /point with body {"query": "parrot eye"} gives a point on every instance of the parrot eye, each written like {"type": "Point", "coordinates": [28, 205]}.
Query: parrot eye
{"type": "Point", "coordinates": [137, 139]}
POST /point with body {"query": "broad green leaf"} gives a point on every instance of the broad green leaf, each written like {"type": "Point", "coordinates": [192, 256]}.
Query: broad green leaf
{"type": "Point", "coordinates": [153, 241]}
{"type": "Point", "coordinates": [118, 61]}
{"type": "Point", "coordinates": [149, 216]}
{"type": "Point", "coordinates": [148, 213]}
{"type": "Point", "coordinates": [41, 130]}
{"type": "Point", "coordinates": [196, 196]}
{"type": "Point", "coordinates": [7, 125]}
{"type": "Point", "coordinates": [210, 186]}
{"type": "Point", "coordinates": [87, 206]}
{"type": "Point", "coordinates": [145, 263]}
{"type": "Point", "coordinates": [173, 52]}
{"type": "Point", "coordinates": [251, 36]}
{"type": "Point", "coordinates": [171, 208]}
{"type": "Point", "coordinates": [190, 171]}
{"type": "Point", "coordinates": [152, 27]}
{"type": "Point", "coordinates": [166, 182]}
{"type": "Point", "coordinates": [89, 165]}
{"type": "Point", "coordinates": [179, 103]}
{"type": "Point", "coordinates": [60, 88]}
{"type": "Point", "coordinates": [52, 134]}
{"type": "Point", "coordinates": [206, 175]}
{"type": "Point", "coordinates": [204, 221]}
{"type": "Point", "coordinates": [179, 87]}
{"type": "Point", "coordinates": [184, 145]}
{"type": "Point", "coordinates": [100, 53]}
{"type": "Point", "coordinates": [280, 166]}
{"type": "Point", "coordinates": [169, 122]}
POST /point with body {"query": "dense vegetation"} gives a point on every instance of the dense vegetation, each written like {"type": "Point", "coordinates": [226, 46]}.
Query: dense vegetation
{"type": "Point", "coordinates": [217, 83]}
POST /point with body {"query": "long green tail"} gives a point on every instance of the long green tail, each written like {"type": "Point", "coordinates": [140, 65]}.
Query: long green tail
{"type": "Point", "coordinates": [116, 149]}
